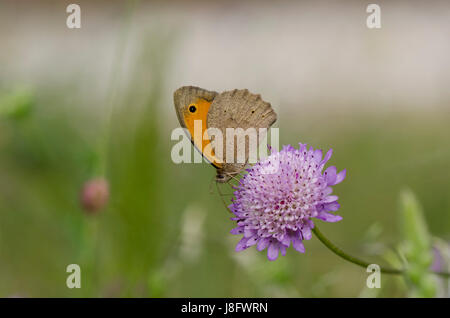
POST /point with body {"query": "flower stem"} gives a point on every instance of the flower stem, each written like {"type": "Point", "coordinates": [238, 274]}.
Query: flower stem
{"type": "Point", "coordinates": [357, 261]}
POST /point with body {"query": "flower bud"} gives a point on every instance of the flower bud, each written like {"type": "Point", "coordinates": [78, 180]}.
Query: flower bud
{"type": "Point", "coordinates": [94, 195]}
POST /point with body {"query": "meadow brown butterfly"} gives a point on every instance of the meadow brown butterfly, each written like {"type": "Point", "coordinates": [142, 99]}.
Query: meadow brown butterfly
{"type": "Point", "coordinates": [230, 109]}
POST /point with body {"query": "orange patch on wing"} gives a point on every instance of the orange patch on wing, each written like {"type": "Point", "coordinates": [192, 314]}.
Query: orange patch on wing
{"type": "Point", "coordinates": [201, 114]}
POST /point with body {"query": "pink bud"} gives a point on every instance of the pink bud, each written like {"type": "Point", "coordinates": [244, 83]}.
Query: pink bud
{"type": "Point", "coordinates": [94, 195]}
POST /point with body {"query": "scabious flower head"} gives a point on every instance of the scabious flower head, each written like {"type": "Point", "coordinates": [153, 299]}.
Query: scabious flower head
{"type": "Point", "coordinates": [276, 200]}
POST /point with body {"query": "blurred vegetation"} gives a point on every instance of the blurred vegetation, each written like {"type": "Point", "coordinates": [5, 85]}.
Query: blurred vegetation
{"type": "Point", "coordinates": [416, 247]}
{"type": "Point", "coordinates": [143, 245]}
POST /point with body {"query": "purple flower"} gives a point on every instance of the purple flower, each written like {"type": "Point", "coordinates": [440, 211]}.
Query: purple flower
{"type": "Point", "coordinates": [276, 200]}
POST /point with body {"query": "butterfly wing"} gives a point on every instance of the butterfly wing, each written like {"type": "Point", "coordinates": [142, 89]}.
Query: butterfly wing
{"type": "Point", "coordinates": [187, 95]}
{"type": "Point", "coordinates": [192, 104]}
{"type": "Point", "coordinates": [239, 109]}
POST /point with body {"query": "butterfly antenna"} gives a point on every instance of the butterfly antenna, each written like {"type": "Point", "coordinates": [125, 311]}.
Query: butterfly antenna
{"type": "Point", "coordinates": [241, 174]}
{"type": "Point", "coordinates": [237, 173]}
{"type": "Point", "coordinates": [232, 175]}
{"type": "Point", "coordinates": [246, 165]}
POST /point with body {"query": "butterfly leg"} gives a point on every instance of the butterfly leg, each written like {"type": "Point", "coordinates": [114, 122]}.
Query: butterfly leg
{"type": "Point", "coordinates": [221, 198]}
{"type": "Point", "coordinates": [211, 191]}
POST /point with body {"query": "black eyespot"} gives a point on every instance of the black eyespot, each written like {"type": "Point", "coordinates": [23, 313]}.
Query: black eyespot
{"type": "Point", "coordinates": [192, 108]}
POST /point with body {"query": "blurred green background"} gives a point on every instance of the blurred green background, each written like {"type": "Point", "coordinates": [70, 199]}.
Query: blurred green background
{"type": "Point", "coordinates": [78, 103]}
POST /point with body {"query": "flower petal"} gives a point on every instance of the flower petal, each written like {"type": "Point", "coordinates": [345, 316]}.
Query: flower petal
{"type": "Point", "coordinates": [331, 198]}
{"type": "Point", "coordinates": [330, 175]}
{"type": "Point", "coordinates": [272, 251]}
{"type": "Point", "coordinates": [242, 245]}
{"type": "Point", "coordinates": [262, 244]}
{"type": "Point", "coordinates": [333, 206]}
{"type": "Point", "coordinates": [327, 157]}
{"type": "Point", "coordinates": [283, 250]}
{"type": "Point", "coordinates": [237, 230]}
{"type": "Point", "coordinates": [341, 176]}
{"type": "Point", "coordinates": [327, 191]}
{"type": "Point", "coordinates": [286, 241]}
{"type": "Point", "coordinates": [298, 245]}
{"type": "Point", "coordinates": [328, 217]}
{"type": "Point", "coordinates": [318, 155]}
{"type": "Point", "coordinates": [248, 232]}
{"type": "Point", "coordinates": [252, 241]}
{"type": "Point", "coordinates": [306, 233]}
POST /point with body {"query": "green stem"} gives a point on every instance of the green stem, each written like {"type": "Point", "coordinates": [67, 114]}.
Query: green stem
{"type": "Point", "coordinates": [113, 89]}
{"type": "Point", "coordinates": [357, 261]}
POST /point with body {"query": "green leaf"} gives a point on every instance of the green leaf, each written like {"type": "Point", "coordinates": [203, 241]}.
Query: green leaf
{"type": "Point", "coordinates": [416, 246]}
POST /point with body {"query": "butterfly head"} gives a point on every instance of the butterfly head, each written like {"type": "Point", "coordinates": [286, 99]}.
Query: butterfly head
{"type": "Point", "coordinates": [222, 177]}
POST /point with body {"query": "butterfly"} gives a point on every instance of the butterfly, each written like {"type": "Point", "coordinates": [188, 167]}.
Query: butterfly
{"type": "Point", "coordinates": [230, 109]}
